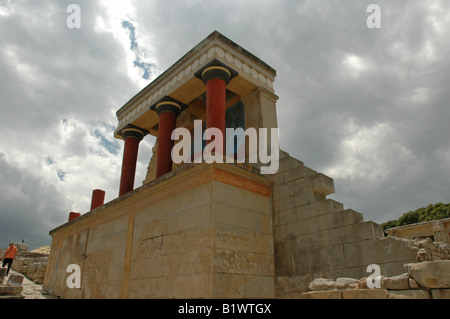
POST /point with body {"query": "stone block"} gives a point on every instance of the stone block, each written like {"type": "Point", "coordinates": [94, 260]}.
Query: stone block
{"type": "Point", "coordinates": [228, 285]}
{"type": "Point", "coordinates": [312, 241]}
{"type": "Point", "coordinates": [294, 174]}
{"type": "Point", "coordinates": [318, 182]}
{"type": "Point", "coordinates": [326, 258]}
{"type": "Point", "coordinates": [396, 282]}
{"type": "Point", "coordinates": [189, 286]}
{"type": "Point", "coordinates": [10, 290]}
{"type": "Point", "coordinates": [318, 208]}
{"type": "Point", "coordinates": [365, 294]}
{"type": "Point", "coordinates": [15, 280]}
{"type": "Point", "coordinates": [243, 219]}
{"type": "Point", "coordinates": [148, 248]}
{"type": "Point", "coordinates": [259, 286]}
{"type": "Point", "coordinates": [2, 274]}
{"type": "Point", "coordinates": [151, 229]}
{"type": "Point", "coordinates": [243, 262]}
{"type": "Point", "coordinates": [322, 284]}
{"type": "Point", "coordinates": [171, 243]}
{"type": "Point", "coordinates": [332, 294]}
{"type": "Point", "coordinates": [287, 216]}
{"type": "Point", "coordinates": [288, 162]}
{"type": "Point", "coordinates": [440, 293]}
{"type": "Point", "coordinates": [196, 238]}
{"type": "Point", "coordinates": [413, 284]}
{"type": "Point", "coordinates": [144, 288]}
{"type": "Point", "coordinates": [344, 282]}
{"type": "Point", "coordinates": [241, 198]}
{"type": "Point", "coordinates": [384, 251]}
{"type": "Point", "coordinates": [193, 217]}
{"type": "Point", "coordinates": [409, 294]}
{"type": "Point", "coordinates": [356, 232]}
{"type": "Point", "coordinates": [292, 284]}
{"type": "Point", "coordinates": [430, 274]}
{"type": "Point", "coordinates": [281, 191]}
{"type": "Point", "coordinates": [226, 238]}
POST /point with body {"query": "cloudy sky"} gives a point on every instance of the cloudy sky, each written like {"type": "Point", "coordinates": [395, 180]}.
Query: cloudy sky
{"type": "Point", "coordinates": [369, 107]}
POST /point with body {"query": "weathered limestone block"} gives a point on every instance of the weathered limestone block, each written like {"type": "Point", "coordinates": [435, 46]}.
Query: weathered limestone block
{"type": "Point", "coordinates": [343, 282]}
{"type": "Point", "coordinates": [228, 285]}
{"type": "Point", "coordinates": [409, 294]}
{"type": "Point", "coordinates": [243, 262]}
{"type": "Point", "coordinates": [10, 290]}
{"type": "Point", "coordinates": [431, 274]}
{"type": "Point", "coordinates": [380, 251]}
{"type": "Point", "coordinates": [2, 274]}
{"type": "Point", "coordinates": [291, 284]}
{"type": "Point", "coordinates": [365, 294]}
{"type": "Point", "coordinates": [322, 284]}
{"type": "Point", "coordinates": [356, 232]}
{"type": "Point", "coordinates": [396, 282]}
{"type": "Point", "coordinates": [440, 293]}
{"type": "Point", "coordinates": [318, 208]}
{"type": "Point", "coordinates": [413, 284]}
{"type": "Point", "coordinates": [259, 286]}
{"type": "Point", "coordinates": [288, 162]}
{"type": "Point", "coordinates": [331, 294]}
{"type": "Point", "coordinates": [15, 280]}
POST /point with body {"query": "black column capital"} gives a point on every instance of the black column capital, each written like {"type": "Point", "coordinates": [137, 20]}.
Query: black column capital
{"type": "Point", "coordinates": [133, 131]}
{"type": "Point", "coordinates": [168, 104]}
{"type": "Point", "coordinates": [216, 70]}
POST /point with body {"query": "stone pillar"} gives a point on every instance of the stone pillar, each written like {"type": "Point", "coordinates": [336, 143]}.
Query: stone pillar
{"type": "Point", "coordinates": [216, 77]}
{"type": "Point", "coordinates": [98, 198]}
{"type": "Point", "coordinates": [132, 136]}
{"type": "Point", "coordinates": [168, 110]}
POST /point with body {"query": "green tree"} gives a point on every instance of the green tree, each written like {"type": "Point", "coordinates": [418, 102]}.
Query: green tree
{"type": "Point", "coordinates": [390, 224]}
{"type": "Point", "coordinates": [429, 213]}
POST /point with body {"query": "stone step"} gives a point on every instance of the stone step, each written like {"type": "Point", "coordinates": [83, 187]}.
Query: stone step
{"type": "Point", "coordinates": [320, 223]}
{"type": "Point", "coordinates": [2, 297]}
{"type": "Point", "coordinates": [356, 232]}
{"type": "Point", "coordinates": [10, 290]}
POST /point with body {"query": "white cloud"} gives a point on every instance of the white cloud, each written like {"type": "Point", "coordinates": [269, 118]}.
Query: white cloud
{"type": "Point", "coordinates": [360, 153]}
{"type": "Point", "coordinates": [355, 65]}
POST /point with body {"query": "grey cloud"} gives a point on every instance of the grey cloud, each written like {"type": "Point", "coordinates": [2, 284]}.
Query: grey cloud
{"type": "Point", "coordinates": [29, 207]}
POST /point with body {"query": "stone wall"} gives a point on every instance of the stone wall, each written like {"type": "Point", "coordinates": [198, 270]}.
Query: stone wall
{"type": "Point", "coordinates": [429, 250]}
{"type": "Point", "coordinates": [202, 231]}
{"type": "Point", "coordinates": [316, 237]}
{"type": "Point", "coordinates": [425, 280]}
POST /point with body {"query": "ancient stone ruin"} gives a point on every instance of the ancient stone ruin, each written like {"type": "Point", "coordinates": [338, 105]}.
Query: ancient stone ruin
{"type": "Point", "coordinates": [218, 230]}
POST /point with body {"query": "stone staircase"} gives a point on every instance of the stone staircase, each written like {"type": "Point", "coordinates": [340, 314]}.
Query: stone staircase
{"type": "Point", "coordinates": [316, 237]}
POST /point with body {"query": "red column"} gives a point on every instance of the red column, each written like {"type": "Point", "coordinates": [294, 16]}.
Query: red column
{"type": "Point", "coordinates": [216, 77]}
{"type": "Point", "coordinates": [168, 110]}
{"type": "Point", "coordinates": [73, 215]}
{"type": "Point", "coordinates": [167, 123]}
{"type": "Point", "coordinates": [98, 198]}
{"type": "Point", "coordinates": [216, 105]}
{"type": "Point", "coordinates": [132, 137]}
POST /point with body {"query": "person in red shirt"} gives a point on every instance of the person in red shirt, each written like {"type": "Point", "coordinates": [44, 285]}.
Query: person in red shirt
{"type": "Point", "coordinates": [9, 256]}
